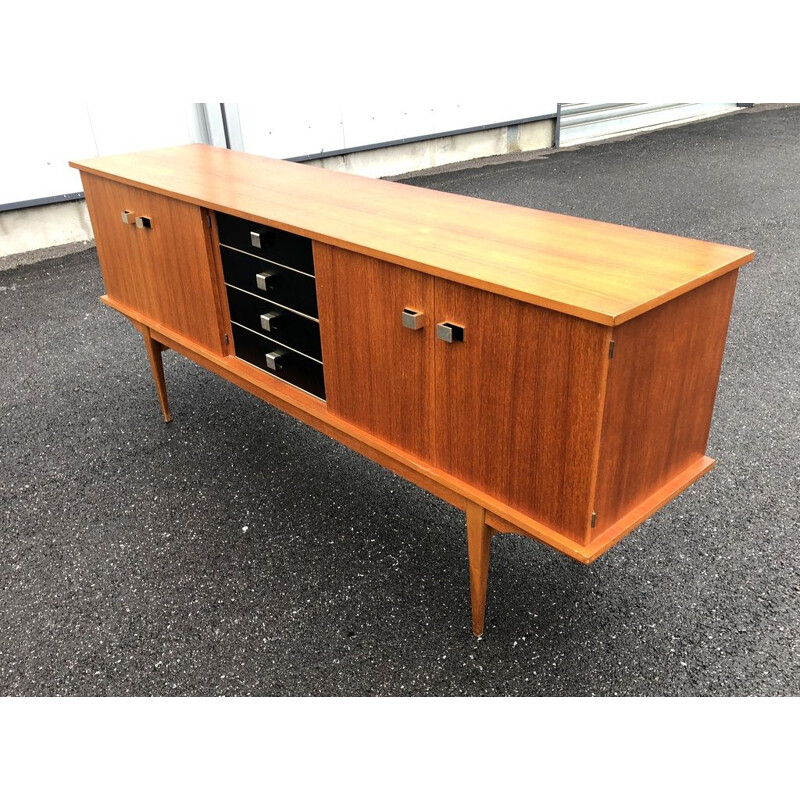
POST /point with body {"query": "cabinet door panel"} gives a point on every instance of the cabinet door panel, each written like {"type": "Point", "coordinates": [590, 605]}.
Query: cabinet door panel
{"type": "Point", "coordinates": [519, 402]}
{"type": "Point", "coordinates": [117, 243]}
{"type": "Point", "coordinates": [164, 272]}
{"type": "Point", "coordinates": [378, 373]}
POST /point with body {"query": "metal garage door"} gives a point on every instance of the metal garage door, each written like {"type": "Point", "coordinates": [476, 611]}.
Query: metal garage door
{"type": "Point", "coordinates": [585, 122]}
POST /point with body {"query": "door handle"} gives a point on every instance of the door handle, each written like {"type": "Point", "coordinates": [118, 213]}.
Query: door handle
{"type": "Point", "coordinates": [413, 319]}
{"type": "Point", "coordinates": [144, 222]}
{"type": "Point", "coordinates": [450, 332]}
{"type": "Point", "coordinates": [128, 217]}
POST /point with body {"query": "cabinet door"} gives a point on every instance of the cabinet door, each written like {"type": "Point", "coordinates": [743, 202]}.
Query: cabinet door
{"type": "Point", "coordinates": [518, 403]}
{"type": "Point", "coordinates": [378, 373]}
{"type": "Point", "coordinates": [165, 272]}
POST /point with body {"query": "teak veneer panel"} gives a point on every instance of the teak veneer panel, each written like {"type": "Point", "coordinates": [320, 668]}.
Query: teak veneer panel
{"type": "Point", "coordinates": [532, 423]}
{"type": "Point", "coordinates": [595, 270]}
{"type": "Point", "coordinates": [378, 374]}
{"type": "Point", "coordinates": [660, 395]}
{"type": "Point", "coordinates": [315, 412]}
{"type": "Point", "coordinates": [518, 404]}
{"type": "Point", "coordinates": [166, 272]}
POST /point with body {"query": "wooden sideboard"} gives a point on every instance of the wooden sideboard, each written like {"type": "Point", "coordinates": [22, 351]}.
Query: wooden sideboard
{"type": "Point", "coordinates": [549, 375]}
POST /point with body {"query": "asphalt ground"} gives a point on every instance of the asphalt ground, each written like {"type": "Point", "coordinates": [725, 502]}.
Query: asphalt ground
{"type": "Point", "coordinates": [235, 551]}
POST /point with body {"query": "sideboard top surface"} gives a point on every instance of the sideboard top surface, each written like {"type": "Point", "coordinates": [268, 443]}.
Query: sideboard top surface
{"type": "Point", "coordinates": [595, 270]}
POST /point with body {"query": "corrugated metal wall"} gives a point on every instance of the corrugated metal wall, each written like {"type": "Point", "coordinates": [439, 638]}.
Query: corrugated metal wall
{"type": "Point", "coordinates": [584, 122]}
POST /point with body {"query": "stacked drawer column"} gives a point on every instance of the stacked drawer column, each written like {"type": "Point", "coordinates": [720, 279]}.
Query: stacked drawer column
{"type": "Point", "coordinates": [272, 296]}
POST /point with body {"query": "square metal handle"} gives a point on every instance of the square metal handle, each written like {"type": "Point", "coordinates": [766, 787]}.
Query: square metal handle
{"type": "Point", "coordinates": [269, 321]}
{"type": "Point", "coordinates": [128, 217]}
{"type": "Point", "coordinates": [275, 359]}
{"type": "Point", "coordinates": [255, 239]}
{"type": "Point", "coordinates": [413, 319]}
{"type": "Point", "coordinates": [144, 222]}
{"type": "Point", "coordinates": [264, 279]}
{"type": "Point", "coordinates": [449, 332]}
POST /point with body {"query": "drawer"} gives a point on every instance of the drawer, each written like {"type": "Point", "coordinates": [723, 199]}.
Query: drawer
{"type": "Point", "coordinates": [288, 288]}
{"type": "Point", "coordinates": [292, 367]}
{"type": "Point", "coordinates": [283, 247]}
{"type": "Point", "coordinates": [281, 325]}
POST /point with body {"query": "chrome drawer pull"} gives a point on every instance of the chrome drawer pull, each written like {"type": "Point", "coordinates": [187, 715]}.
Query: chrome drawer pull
{"type": "Point", "coordinates": [413, 319]}
{"type": "Point", "coordinates": [264, 279]}
{"type": "Point", "coordinates": [449, 332]}
{"type": "Point", "coordinates": [269, 321]}
{"type": "Point", "coordinates": [275, 359]}
{"type": "Point", "coordinates": [255, 239]}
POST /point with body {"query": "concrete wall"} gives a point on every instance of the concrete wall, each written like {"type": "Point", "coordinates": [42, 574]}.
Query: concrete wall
{"type": "Point", "coordinates": [28, 229]}
{"type": "Point", "coordinates": [399, 159]}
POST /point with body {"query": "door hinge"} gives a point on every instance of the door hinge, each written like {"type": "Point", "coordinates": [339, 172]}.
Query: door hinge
{"type": "Point", "coordinates": [611, 347]}
{"type": "Point", "coordinates": [227, 341]}
{"type": "Point", "coordinates": [208, 219]}
{"type": "Point", "coordinates": [594, 518]}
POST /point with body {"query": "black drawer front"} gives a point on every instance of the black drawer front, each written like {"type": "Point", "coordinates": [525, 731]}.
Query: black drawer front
{"type": "Point", "coordinates": [283, 286]}
{"type": "Point", "coordinates": [276, 245]}
{"type": "Point", "coordinates": [279, 324]}
{"type": "Point", "coordinates": [290, 367]}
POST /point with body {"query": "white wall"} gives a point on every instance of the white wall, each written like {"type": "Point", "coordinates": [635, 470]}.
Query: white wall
{"type": "Point", "coordinates": [38, 140]}
{"type": "Point", "coordinates": [284, 126]}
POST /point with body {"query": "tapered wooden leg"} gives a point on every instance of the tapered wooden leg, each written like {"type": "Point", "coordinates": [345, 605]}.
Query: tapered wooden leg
{"type": "Point", "coordinates": [479, 540]}
{"type": "Point", "coordinates": [154, 349]}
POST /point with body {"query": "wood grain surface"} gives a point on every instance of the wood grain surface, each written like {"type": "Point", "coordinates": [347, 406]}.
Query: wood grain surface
{"type": "Point", "coordinates": [527, 423]}
{"type": "Point", "coordinates": [518, 404]}
{"type": "Point", "coordinates": [378, 374]}
{"type": "Point", "coordinates": [594, 270]}
{"type": "Point", "coordinates": [153, 350]}
{"type": "Point", "coordinates": [166, 272]}
{"type": "Point", "coordinates": [479, 545]}
{"type": "Point", "coordinates": [499, 516]}
{"type": "Point", "coordinates": [660, 395]}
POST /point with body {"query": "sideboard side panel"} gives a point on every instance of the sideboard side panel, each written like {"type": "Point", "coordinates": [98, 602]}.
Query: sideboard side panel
{"type": "Point", "coordinates": [662, 382]}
